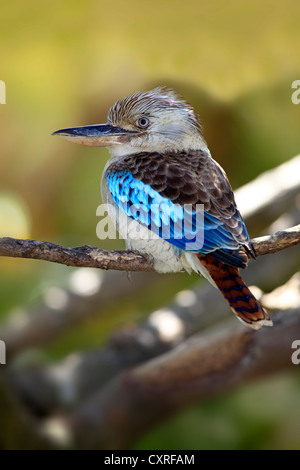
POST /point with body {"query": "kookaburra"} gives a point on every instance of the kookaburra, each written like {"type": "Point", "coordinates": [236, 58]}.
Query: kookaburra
{"type": "Point", "coordinates": [169, 198]}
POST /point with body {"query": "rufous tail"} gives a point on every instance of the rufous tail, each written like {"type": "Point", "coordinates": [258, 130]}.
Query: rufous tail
{"type": "Point", "coordinates": [240, 298]}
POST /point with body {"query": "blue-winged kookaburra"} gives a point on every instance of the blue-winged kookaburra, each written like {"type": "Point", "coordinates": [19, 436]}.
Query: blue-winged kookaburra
{"type": "Point", "coordinates": [169, 198]}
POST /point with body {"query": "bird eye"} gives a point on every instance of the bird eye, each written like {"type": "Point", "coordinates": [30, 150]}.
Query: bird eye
{"type": "Point", "coordinates": [143, 122]}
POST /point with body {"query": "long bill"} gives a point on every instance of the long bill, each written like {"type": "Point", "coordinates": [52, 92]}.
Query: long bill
{"type": "Point", "coordinates": [98, 135]}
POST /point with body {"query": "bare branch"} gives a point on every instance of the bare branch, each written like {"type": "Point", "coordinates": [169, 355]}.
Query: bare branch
{"type": "Point", "coordinates": [90, 256]}
{"type": "Point", "coordinates": [271, 194]}
{"type": "Point", "coordinates": [277, 242]}
{"type": "Point", "coordinates": [81, 256]}
{"type": "Point", "coordinates": [261, 201]}
{"type": "Point", "coordinates": [208, 365]}
{"type": "Point", "coordinates": [44, 322]}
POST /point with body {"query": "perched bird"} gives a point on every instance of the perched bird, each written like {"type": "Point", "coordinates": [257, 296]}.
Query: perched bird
{"type": "Point", "coordinates": [160, 182]}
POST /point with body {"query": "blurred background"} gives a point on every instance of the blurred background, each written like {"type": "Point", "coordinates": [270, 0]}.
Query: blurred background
{"type": "Point", "coordinates": [64, 64]}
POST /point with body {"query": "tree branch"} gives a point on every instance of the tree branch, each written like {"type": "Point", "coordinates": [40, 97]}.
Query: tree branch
{"type": "Point", "coordinates": [277, 242]}
{"type": "Point", "coordinates": [272, 193]}
{"type": "Point", "coordinates": [261, 201]}
{"type": "Point", "coordinates": [208, 365]}
{"type": "Point", "coordinates": [92, 257]}
{"type": "Point", "coordinates": [81, 256]}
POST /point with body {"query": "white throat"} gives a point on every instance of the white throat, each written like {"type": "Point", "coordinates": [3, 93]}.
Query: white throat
{"type": "Point", "coordinates": [159, 145]}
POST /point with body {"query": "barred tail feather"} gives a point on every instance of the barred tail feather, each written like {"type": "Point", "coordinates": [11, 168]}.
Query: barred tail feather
{"type": "Point", "coordinates": [239, 297]}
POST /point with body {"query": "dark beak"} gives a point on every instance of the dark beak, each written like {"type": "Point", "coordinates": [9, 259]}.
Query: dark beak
{"type": "Point", "coordinates": [99, 135]}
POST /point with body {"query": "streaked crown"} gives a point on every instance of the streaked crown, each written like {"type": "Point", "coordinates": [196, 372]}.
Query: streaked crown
{"type": "Point", "coordinates": [151, 103]}
{"type": "Point", "coordinates": [165, 121]}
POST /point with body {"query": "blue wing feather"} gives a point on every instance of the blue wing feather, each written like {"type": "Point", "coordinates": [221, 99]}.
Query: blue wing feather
{"type": "Point", "coordinates": [171, 221]}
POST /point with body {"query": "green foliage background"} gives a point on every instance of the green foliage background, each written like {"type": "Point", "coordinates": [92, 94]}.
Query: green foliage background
{"type": "Point", "coordinates": [64, 63]}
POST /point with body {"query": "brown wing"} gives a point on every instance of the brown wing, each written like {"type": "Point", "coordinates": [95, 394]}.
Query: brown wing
{"type": "Point", "coordinates": [192, 178]}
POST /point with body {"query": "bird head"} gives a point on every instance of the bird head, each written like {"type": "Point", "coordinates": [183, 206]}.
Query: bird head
{"type": "Point", "coordinates": [156, 120]}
